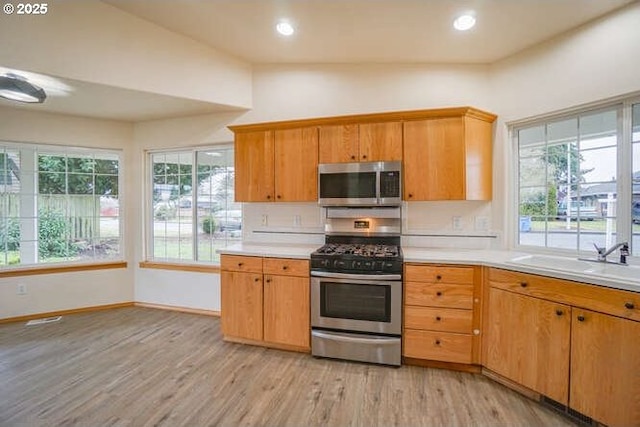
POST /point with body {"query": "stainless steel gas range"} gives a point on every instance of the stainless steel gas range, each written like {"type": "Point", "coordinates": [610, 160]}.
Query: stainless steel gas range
{"type": "Point", "coordinates": [356, 286]}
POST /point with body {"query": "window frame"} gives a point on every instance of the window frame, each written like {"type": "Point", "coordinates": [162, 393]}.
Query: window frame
{"type": "Point", "coordinates": [624, 227]}
{"type": "Point", "coordinates": [36, 149]}
{"type": "Point", "coordinates": [150, 261]}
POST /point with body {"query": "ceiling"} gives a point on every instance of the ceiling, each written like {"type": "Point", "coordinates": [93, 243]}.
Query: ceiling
{"type": "Point", "coordinates": [365, 31]}
{"type": "Point", "coordinates": [328, 31]}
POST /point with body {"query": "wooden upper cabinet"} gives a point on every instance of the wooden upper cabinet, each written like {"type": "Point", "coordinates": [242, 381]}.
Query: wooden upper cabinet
{"type": "Point", "coordinates": [339, 144]}
{"type": "Point", "coordinates": [380, 142]}
{"type": "Point", "coordinates": [447, 159]}
{"type": "Point", "coordinates": [296, 165]}
{"type": "Point", "coordinates": [254, 161]}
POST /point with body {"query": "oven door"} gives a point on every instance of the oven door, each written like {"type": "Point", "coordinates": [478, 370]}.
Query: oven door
{"type": "Point", "coordinates": [355, 302]}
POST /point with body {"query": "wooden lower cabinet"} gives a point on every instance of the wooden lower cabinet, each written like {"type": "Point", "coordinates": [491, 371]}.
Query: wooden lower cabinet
{"type": "Point", "coordinates": [265, 301]}
{"type": "Point", "coordinates": [286, 310]}
{"type": "Point", "coordinates": [605, 368]}
{"type": "Point", "coordinates": [527, 341]}
{"type": "Point", "coordinates": [242, 302]}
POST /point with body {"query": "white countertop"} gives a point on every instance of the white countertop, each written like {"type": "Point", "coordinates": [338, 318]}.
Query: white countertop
{"type": "Point", "coordinates": [569, 268]}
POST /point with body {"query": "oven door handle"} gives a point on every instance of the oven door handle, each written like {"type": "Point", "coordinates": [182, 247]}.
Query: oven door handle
{"type": "Point", "coordinates": [375, 277]}
{"type": "Point", "coordinates": [352, 339]}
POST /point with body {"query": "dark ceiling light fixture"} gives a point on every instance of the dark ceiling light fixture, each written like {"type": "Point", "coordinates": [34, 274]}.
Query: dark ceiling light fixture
{"type": "Point", "coordinates": [17, 88]}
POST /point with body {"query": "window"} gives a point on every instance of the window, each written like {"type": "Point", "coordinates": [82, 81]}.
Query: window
{"type": "Point", "coordinates": [574, 183]}
{"type": "Point", "coordinates": [193, 212]}
{"type": "Point", "coordinates": [58, 204]}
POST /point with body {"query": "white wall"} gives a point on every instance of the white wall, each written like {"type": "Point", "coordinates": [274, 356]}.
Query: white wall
{"type": "Point", "coordinates": [595, 62]}
{"type": "Point", "coordinates": [63, 291]}
{"type": "Point", "coordinates": [92, 41]}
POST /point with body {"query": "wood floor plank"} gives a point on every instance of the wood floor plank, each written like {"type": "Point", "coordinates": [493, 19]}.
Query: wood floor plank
{"type": "Point", "coordinates": [144, 367]}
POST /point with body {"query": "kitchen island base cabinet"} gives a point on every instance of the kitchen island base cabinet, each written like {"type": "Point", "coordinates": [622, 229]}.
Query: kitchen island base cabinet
{"type": "Point", "coordinates": [266, 302]}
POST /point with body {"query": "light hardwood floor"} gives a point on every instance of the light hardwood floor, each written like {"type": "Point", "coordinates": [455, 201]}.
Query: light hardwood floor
{"type": "Point", "coordinates": [145, 367]}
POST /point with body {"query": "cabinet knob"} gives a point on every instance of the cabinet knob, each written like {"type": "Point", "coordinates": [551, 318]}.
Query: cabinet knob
{"type": "Point", "coordinates": [629, 305]}
{"type": "Point", "coordinates": [439, 293]}
{"type": "Point", "coordinates": [284, 267]}
{"type": "Point", "coordinates": [240, 264]}
{"type": "Point", "coordinates": [268, 196]}
{"type": "Point", "coordinates": [437, 342]}
{"type": "Point", "coordinates": [278, 196]}
{"type": "Point", "coordinates": [438, 318]}
{"type": "Point", "coordinates": [581, 318]}
{"type": "Point", "coordinates": [559, 312]}
{"type": "Point", "coordinates": [353, 157]}
{"type": "Point", "coordinates": [364, 157]}
{"type": "Point", "coordinates": [410, 195]}
{"type": "Point", "coordinates": [257, 279]}
{"type": "Point", "coordinates": [268, 280]}
{"type": "Point", "coordinates": [438, 277]}
{"type": "Point", "coordinates": [524, 284]}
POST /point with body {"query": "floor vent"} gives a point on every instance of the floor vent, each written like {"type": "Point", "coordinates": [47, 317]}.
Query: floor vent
{"type": "Point", "coordinates": [582, 419]}
{"type": "Point", "coordinates": [44, 320]}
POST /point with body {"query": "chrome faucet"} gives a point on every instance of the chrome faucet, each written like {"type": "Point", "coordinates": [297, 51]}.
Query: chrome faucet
{"type": "Point", "coordinates": [604, 252]}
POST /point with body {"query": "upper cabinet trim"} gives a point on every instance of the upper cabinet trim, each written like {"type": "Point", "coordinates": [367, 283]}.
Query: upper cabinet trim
{"type": "Point", "coordinates": [366, 118]}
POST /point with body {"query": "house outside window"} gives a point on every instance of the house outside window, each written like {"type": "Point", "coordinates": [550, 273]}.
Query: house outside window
{"type": "Point", "coordinates": [192, 211]}
{"type": "Point", "coordinates": [58, 204]}
{"type": "Point", "coordinates": [578, 180]}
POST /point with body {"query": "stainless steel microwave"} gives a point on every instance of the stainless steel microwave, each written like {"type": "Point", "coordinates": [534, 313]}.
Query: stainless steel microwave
{"type": "Point", "coordinates": [360, 184]}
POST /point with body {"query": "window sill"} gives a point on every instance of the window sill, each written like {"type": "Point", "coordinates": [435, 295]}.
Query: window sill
{"type": "Point", "coordinates": [32, 271]}
{"type": "Point", "coordinates": [198, 268]}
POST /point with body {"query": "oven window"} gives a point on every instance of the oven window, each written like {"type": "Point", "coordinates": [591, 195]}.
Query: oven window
{"type": "Point", "coordinates": [357, 302]}
{"type": "Point", "coordinates": [348, 185]}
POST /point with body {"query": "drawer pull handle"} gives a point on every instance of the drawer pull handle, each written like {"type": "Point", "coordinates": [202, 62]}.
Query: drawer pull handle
{"type": "Point", "coordinates": [438, 318]}
{"type": "Point", "coordinates": [524, 284]}
{"type": "Point", "coordinates": [438, 277]}
{"type": "Point", "coordinates": [240, 264]}
{"type": "Point", "coordinates": [559, 312]}
{"type": "Point", "coordinates": [284, 267]}
{"type": "Point", "coordinates": [437, 342]}
{"type": "Point", "coordinates": [629, 305]}
{"type": "Point", "coordinates": [581, 318]}
{"type": "Point", "coordinates": [439, 293]}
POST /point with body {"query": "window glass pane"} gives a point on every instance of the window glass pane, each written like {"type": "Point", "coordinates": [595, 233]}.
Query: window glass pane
{"type": "Point", "coordinates": [567, 192]}
{"type": "Point", "coordinates": [635, 186]}
{"type": "Point", "coordinates": [49, 212]}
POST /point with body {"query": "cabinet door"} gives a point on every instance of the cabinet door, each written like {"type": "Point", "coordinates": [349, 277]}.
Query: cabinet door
{"type": "Point", "coordinates": [338, 144]}
{"type": "Point", "coordinates": [527, 342]}
{"type": "Point", "coordinates": [286, 310]}
{"type": "Point", "coordinates": [296, 165]}
{"type": "Point", "coordinates": [241, 311]}
{"type": "Point", "coordinates": [434, 159]}
{"type": "Point", "coordinates": [380, 141]}
{"type": "Point", "coordinates": [254, 173]}
{"type": "Point", "coordinates": [605, 368]}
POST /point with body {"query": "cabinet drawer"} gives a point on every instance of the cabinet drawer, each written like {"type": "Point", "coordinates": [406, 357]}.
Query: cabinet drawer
{"type": "Point", "coordinates": [592, 297]}
{"type": "Point", "coordinates": [241, 263]}
{"type": "Point", "coordinates": [439, 295]}
{"type": "Point", "coordinates": [286, 267]}
{"type": "Point", "coordinates": [438, 319]}
{"type": "Point", "coordinates": [439, 274]}
{"type": "Point", "coordinates": [443, 346]}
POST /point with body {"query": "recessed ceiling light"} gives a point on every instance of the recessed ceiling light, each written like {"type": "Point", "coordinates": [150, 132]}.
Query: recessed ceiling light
{"type": "Point", "coordinates": [285, 28]}
{"type": "Point", "coordinates": [464, 22]}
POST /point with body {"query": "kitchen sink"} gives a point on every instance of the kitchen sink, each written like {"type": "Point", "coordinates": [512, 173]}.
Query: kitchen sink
{"type": "Point", "coordinates": [581, 266]}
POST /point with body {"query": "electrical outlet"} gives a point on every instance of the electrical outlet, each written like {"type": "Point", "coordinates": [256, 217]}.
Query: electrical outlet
{"type": "Point", "coordinates": [482, 223]}
{"type": "Point", "coordinates": [264, 221]}
{"type": "Point", "coordinates": [456, 222]}
{"type": "Point", "coordinates": [21, 289]}
{"type": "Point", "coordinates": [297, 221]}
